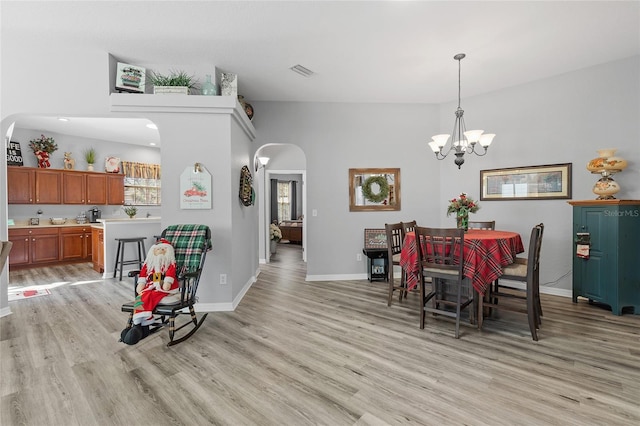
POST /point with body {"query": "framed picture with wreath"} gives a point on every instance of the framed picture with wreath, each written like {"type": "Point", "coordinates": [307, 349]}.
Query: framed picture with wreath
{"type": "Point", "coordinates": [374, 190]}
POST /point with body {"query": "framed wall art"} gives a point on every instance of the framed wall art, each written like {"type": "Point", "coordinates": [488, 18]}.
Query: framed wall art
{"type": "Point", "coordinates": [526, 183]}
{"type": "Point", "coordinates": [130, 78]}
{"type": "Point", "coordinates": [374, 189]}
{"type": "Point", "coordinates": [375, 239]}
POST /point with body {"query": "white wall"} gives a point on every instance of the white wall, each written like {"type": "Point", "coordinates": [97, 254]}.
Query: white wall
{"type": "Point", "coordinates": [336, 137]}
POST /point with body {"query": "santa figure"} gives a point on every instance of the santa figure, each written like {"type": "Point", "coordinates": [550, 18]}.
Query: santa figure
{"type": "Point", "coordinates": [157, 280]}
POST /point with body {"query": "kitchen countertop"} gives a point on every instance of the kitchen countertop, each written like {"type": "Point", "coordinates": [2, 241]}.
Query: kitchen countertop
{"type": "Point", "coordinates": [24, 224]}
{"type": "Point", "coordinates": [45, 223]}
{"type": "Point", "coordinates": [126, 220]}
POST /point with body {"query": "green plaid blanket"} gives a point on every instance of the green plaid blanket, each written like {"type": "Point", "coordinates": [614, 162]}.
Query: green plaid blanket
{"type": "Point", "coordinates": [189, 242]}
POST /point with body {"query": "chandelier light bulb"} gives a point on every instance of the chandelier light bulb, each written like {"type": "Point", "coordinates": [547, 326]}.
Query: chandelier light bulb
{"type": "Point", "coordinates": [486, 139]}
{"type": "Point", "coordinates": [473, 135]}
{"type": "Point", "coordinates": [434, 146]}
{"type": "Point", "coordinates": [440, 140]}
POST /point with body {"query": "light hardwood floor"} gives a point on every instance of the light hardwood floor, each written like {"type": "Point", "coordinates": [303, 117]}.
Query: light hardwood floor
{"type": "Point", "coordinates": [307, 353]}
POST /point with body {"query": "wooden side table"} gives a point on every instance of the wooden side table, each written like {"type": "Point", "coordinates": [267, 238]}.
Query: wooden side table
{"type": "Point", "coordinates": [377, 264]}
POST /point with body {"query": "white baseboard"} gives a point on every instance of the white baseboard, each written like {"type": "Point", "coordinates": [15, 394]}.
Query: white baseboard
{"type": "Point", "coordinates": [341, 277]}
{"type": "Point", "coordinates": [544, 290]}
{"type": "Point", "coordinates": [5, 312]}
{"type": "Point", "coordinates": [227, 307]}
{"type": "Point", "coordinates": [346, 277]}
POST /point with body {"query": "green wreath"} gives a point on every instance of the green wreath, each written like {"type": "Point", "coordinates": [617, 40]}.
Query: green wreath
{"type": "Point", "coordinates": [382, 183]}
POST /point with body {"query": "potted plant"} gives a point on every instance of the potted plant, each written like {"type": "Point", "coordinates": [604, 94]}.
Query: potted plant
{"type": "Point", "coordinates": [43, 147]}
{"type": "Point", "coordinates": [130, 211]}
{"type": "Point", "coordinates": [90, 158]}
{"type": "Point", "coordinates": [175, 82]}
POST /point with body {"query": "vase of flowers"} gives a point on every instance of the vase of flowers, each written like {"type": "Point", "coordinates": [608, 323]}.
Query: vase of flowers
{"type": "Point", "coordinates": [275, 235]}
{"type": "Point", "coordinates": [461, 207]}
{"type": "Point", "coordinates": [43, 147]}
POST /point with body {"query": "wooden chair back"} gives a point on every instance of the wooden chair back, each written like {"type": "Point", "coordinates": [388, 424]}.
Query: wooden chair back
{"type": "Point", "coordinates": [408, 227]}
{"type": "Point", "coordinates": [488, 225]}
{"type": "Point", "coordinates": [440, 249]}
{"type": "Point", "coordinates": [526, 271]}
{"type": "Point", "coordinates": [441, 255]}
{"type": "Point", "coordinates": [395, 239]}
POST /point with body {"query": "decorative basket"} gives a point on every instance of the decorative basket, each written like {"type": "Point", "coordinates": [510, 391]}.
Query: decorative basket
{"type": "Point", "coordinates": [58, 221]}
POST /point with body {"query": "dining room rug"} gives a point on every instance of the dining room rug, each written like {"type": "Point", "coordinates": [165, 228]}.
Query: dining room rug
{"type": "Point", "coordinates": [26, 294]}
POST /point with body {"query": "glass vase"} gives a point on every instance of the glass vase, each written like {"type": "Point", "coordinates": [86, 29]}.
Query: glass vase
{"type": "Point", "coordinates": [208, 87]}
{"type": "Point", "coordinates": [462, 220]}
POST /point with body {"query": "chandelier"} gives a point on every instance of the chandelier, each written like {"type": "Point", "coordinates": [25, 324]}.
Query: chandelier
{"type": "Point", "coordinates": [462, 141]}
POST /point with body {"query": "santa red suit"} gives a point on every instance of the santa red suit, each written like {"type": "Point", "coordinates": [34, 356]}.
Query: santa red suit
{"type": "Point", "coordinates": [157, 280]}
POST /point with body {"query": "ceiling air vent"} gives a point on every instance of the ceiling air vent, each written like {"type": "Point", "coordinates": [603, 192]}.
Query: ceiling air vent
{"type": "Point", "coordinates": [305, 72]}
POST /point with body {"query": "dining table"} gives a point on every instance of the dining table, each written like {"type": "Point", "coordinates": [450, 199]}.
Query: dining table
{"type": "Point", "coordinates": [486, 253]}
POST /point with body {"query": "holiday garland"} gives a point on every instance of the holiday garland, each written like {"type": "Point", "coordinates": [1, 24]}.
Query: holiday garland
{"type": "Point", "coordinates": [382, 183]}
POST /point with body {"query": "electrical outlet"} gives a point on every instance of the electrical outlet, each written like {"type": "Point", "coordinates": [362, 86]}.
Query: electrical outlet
{"type": "Point", "coordinates": [359, 257]}
{"type": "Point", "coordinates": [223, 279]}
{"type": "Point", "coordinates": [314, 212]}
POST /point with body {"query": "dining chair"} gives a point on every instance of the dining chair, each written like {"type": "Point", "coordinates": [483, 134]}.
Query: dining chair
{"type": "Point", "coordinates": [487, 225]}
{"type": "Point", "coordinates": [408, 227]}
{"type": "Point", "coordinates": [526, 271]}
{"type": "Point", "coordinates": [440, 252]}
{"type": "Point", "coordinates": [395, 238]}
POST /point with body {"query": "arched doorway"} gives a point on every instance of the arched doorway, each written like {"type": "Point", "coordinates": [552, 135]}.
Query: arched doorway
{"type": "Point", "coordinates": [287, 162]}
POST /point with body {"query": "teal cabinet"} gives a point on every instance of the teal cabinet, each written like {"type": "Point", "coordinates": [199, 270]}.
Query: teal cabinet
{"type": "Point", "coordinates": [611, 273]}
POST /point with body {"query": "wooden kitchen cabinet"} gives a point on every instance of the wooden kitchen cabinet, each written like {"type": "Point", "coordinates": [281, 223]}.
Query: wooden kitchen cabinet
{"type": "Point", "coordinates": [84, 188]}
{"type": "Point", "coordinates": [48, 186]}
{"type": "Point", "coordinates": [97, 189]}
{"type": "Point", "coordinates": [75, 243]}
{"type": "Point", "coordinates": [28, 185]}
{"type": "Point", "coordinates": [115, 189]}
{"type": "Point", "coordinates": [74, 188]}
{"type": "Point", "coordinates": [21, 185]}
{"type": "Point", "coordinates": [33, 246]}
{"type": "Point", "coordinates": [97, 256]}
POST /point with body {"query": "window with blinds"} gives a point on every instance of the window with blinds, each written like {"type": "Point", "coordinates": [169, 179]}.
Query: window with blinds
{"type": "Point", "coordinates": [284, 201]}
{"type": "Point", "coordinates": [142, 183]}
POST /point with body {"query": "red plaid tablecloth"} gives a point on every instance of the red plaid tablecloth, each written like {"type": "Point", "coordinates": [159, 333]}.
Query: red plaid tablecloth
{"type": "Point", "coordinates": [485, 254]}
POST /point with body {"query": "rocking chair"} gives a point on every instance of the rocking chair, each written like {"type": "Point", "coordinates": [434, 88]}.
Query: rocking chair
{"type": "Point", "coordinates": [190, 244]}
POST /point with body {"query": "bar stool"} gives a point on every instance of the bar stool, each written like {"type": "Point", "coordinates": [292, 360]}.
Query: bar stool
{"type": "Point", "coordinates": [120, 262]}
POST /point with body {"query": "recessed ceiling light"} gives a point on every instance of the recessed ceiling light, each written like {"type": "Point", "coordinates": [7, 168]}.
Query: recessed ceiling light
{"type": "Point", "coordinates": [63, 119]}
{"type": "Point", "coordinates": [152, 126]}
{"type": "Point", "coordinates": [152, 143]}
{"type": "Point", "coordinates": [299, 69]}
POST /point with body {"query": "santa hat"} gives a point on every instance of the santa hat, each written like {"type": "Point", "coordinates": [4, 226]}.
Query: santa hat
{"type": "Point", "coordinates": [162, 241]}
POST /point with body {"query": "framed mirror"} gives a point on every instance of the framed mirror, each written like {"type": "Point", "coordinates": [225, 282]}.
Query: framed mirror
{"type": "Point", "coordinates": [374, 189]}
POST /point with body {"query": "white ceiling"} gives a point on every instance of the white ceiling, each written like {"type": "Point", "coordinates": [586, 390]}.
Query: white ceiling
{"type": "Point", "coordinates": [361, 51]}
